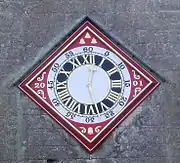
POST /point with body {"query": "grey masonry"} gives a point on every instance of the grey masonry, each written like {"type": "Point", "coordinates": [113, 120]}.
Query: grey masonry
{"type": "Point", "coordinates": [150, 29]}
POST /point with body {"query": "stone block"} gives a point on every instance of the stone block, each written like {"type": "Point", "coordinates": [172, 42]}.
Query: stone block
{"type": "Point", "coordinates": [46, 137]}
{"type": "Point", "coordinates": [169, 5]}
{"type": "Point", "coordinates": [172, 84]}
{"type": "Point", "coordinates": [122, 19]}
{"type": "Point", "coordinates": [162, 50]}
{"type": "Point", "coordinates": [7, 153]}
{"type": "Point", "coordinates": [2, 136]}
{"type": "Point", "coordinates": [172, 113]}
{"type": "Point", "coordinates": [34, 161]}
{"type": "Point", "coordinates": [169, 19]}
{"type": "Point", "coordinates": [39, 30]}
{"type": "Point", "coordinates": [164, 63]}
{"type": "Point", "coordinates": [53, 152]}
{"type": "Point", "coordinates": [142, 135]}
{"type": "Point", "coordinates": [32, 108]}
{"type": "Point", "coordinates": [38, 121]}
{"type": "Point", "coordinates": [131, 150]}
{"type": "Point", "coordinates": [173, 150]}
{"type": "Point", "coordinates": [172, 135]}
{"type": "Point", "coordinates": [125, 160]}
{"type": "Point", "coordinates": [93, 6]}
{"type": "Point", "coordinates": [149, 28]}
{"type": "Point", "coordinates": [6, 67]}
{"type": "Point", "coordinates": [11, 47]}
{"type": "Point", "coordinates": [8, 103]}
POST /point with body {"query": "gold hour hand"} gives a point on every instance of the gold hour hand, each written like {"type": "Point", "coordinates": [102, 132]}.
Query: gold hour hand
{"type": "Point", "coordinates": [91, 71]}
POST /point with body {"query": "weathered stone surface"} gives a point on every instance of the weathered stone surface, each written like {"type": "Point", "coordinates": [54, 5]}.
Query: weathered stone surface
{"type": "Point", "coordinates": [148, 28]}
{"type": "Point", "coordinates": [37, 121]}
{"type": "Point", "coordinates": [164, 63]}
{"type": "Point", "coordinates": [53, 152]}
{"type": "Point", "coordinates": [140, 135]}
{"type": "Point", "coordinates": [45, 137]}
{"type": "Point", "coordinates": [131, 150]}
{"type": "Point", "coordinates": [7, 153]}
{"type": "Point", "coordinates": [125, 160]}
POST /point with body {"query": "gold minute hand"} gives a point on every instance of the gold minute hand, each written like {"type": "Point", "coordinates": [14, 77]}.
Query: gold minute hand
{"type": "Point", "coordinates": [92, 97]}
{"type": "Point", "coordinates": [91, 92]}
{"type": "Point", "coordinates": [91, 70]}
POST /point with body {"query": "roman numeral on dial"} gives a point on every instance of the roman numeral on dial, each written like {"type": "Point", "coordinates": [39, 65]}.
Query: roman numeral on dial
{"type": "Point", "coordinates": [112, 71]}
{"type": "Point", "coordinates": [77, 108]}
{"type": "Point", "coordinates": [62, 91]}
{"type": "Point", "coordinates": [75, 62]}
{"type": "Point", "coordinates": [63, 95]}
{"type": "Point", "coordinates": [91, 110]}
{"type": "Point", "coordinates": [67, 73]}
{"type": "Point", "coordinates": [116, 83]}
{"type": "Point", "coordinates": [113, 96]}
{"type": "Point", "coordinates": [89, 59]}
{"type": "Point", "coordinates": [73, 105]}
{"type": "Point", "coordinates": [104, 107]}
{"type": "Point", "coordinates": [61, 85]}
{"type": "Point", "coordinates": [82, 60]}
{"type": "Point", "coordinates": [101, 63]}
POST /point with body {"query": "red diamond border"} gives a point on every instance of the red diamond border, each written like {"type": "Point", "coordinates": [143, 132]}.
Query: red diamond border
{"type": "Point", "coordinates": [153, 84]}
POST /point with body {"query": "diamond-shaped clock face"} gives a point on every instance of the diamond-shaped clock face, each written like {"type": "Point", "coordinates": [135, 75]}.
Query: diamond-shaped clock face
{"type": "Point", "coordinates": [89, 85]}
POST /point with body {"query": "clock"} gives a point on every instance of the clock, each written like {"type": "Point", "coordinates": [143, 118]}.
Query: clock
{"type": "Point", "coordinates": [88, 84]}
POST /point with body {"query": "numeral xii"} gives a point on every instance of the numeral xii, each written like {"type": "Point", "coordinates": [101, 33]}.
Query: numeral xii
{"type": "Point", "coordinates": [81, 60]}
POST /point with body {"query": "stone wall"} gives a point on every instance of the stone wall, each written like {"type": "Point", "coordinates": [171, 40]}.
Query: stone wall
{"type": "Point", "coordinates": [148, 28]}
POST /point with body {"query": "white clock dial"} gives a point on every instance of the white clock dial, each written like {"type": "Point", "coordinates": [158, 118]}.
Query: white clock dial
{"type": "Point", "coordinates": [89, 84]}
